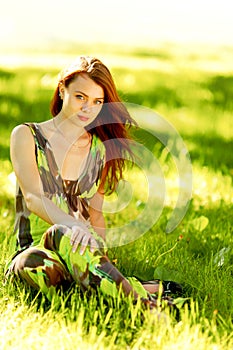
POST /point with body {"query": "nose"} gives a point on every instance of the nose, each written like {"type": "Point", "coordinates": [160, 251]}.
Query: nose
{"type": "Point", "coordinates": [86, 107]}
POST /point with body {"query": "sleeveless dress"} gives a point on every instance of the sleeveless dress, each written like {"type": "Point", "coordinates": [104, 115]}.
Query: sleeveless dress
{"type": "Point", "coordinates": [44, 257]}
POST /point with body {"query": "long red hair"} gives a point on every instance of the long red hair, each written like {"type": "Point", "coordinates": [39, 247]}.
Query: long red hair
{"type": "Point", "coordinates": [113, 122]}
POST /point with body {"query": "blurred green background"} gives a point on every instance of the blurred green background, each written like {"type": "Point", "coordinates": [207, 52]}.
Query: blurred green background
{"type": "Point", "coordinates": [174, 58]}
{"type": "Point", "coordinates": [190, 87]}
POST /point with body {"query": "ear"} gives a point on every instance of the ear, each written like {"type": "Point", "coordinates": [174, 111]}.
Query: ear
{"type": "Point", "coordinates": [61, 90]}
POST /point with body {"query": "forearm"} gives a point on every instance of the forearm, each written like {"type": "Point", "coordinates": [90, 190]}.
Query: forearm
{"type": "Point", "coordinates": [48, 211]}
{"type": "Point", "coordinates": [99, 226]}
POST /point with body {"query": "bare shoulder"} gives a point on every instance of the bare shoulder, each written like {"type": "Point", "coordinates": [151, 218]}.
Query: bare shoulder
{"type": "Point", "coordinates": [21, 134]}
{"type": "Point", "coordinates": [20, 130]}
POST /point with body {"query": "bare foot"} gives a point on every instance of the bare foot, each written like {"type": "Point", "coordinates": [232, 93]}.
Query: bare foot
{"type": "Point", "coordinates": [152, 288]}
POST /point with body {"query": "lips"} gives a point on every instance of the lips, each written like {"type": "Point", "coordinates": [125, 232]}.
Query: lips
{"type": "Point", "coordinates": [83, 118]}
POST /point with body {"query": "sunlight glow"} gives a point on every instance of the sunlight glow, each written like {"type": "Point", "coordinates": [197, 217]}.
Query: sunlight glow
{"type": "Point", "coordinates": [49, 22]}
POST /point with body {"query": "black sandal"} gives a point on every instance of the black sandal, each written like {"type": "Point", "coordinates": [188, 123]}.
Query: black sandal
{"type": "Point", "coordinates": [169, 287]}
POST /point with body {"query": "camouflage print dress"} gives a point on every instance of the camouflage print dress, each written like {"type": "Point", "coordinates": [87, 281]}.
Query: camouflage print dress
{"type": "Point", "coordinates": [44, 257]}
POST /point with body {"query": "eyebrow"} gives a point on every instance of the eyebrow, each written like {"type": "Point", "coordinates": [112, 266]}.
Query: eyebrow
{"type": "Point", "coordinates": [83, 93]}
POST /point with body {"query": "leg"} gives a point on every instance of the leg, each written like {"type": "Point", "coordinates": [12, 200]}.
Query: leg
{"type": "Point", "coordinates": [166, 288]}
{"type": "Point", "coordinates": [87, 269]}
{"type": "Point", "coordinates": [41, 269]}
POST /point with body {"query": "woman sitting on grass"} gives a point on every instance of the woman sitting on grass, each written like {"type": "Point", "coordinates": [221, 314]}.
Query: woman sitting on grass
{"type": "Point", "coordinates": [63, 168]}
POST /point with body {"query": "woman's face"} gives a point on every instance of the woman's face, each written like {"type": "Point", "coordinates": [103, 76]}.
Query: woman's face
{"type": "Point", "coordinates": [82, 100]}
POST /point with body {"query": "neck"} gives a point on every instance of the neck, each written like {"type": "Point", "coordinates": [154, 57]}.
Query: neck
{"type": "Point", "coordinates": [68, 127]}
{"type": "Point", "coordinates": [74, 135]}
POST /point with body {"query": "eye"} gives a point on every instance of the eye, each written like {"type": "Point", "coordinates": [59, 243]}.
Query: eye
{"type": "Point", "coordinates": [80, 97]}
{"type": "Point", "coordinates": [98, 102]}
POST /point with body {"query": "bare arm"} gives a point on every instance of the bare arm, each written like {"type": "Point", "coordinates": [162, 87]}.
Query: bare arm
{"type": "Point", "coordinates": [25, 167]}
{"type": "Point", "coordinates": [24, 163]}
{"type": "Point", "coordinates": [96, 214]}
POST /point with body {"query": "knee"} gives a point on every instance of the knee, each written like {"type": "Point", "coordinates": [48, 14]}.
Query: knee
{"type": "Point", "coordinates": [31, 258]}
{"type": "Point", "coordinates": [52, 237]}
{"type": "Point", "coordinates": [33, 263]}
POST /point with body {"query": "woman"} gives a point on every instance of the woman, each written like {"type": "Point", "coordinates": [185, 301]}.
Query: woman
{"type": "Point", "coordinates": [64, 166]}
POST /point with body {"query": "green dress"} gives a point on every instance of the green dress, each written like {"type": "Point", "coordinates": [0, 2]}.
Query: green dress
{"type": "Point", "coordinates": [44, 256]}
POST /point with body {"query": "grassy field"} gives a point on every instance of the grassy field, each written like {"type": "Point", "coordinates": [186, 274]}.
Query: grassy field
{"type": "Point", "coordinates": [191, 89]}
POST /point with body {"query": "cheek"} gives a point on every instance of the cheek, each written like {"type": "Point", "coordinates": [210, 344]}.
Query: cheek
{"type": "Point", "coordinates": [98, 109]}
{"type": "Point", "coordinates": [66, 102]}
{"type": "Point", "coordinates": [95, 113]}
{"type": "Point", "coordinates": [71, 104]}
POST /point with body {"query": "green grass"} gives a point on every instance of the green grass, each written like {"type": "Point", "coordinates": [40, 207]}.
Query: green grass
{"type": "Point", "coordinates": [193, 92]}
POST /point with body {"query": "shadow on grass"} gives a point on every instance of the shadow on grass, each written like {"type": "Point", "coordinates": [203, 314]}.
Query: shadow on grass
{"type": "Point", "coordinates": [5, 152]}
{"type": "Point", "coordinates": [154, 96]}
{"type": "Point", "coordinates": [221, 88]}
{"type": "Point", "coordinates": [15, 110]}
{"type": "Point", "coordinates": [212, 151]}
{"type": "Point", "coordinates": [209, 150]}
{"type": "Point", "coordinates": [6, 75]}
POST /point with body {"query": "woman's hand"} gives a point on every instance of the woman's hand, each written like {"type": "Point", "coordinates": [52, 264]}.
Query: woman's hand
{"type": "Point", "coordinates": [81, 235]}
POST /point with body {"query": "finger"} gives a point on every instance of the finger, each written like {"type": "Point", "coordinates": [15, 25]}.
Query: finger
{"type": "Point", "coordinates": [76, 240]}
{"type": "Point", "coordinates": [76, 230]}
{"type": "Point", "coordinates": [74, 236]}
{"type": "Point", "coordinates": [93, 245]}
{"type": "Point", "coordinates": [90, 241]}
{"type": "Point", "coordinates": [84, 243]}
